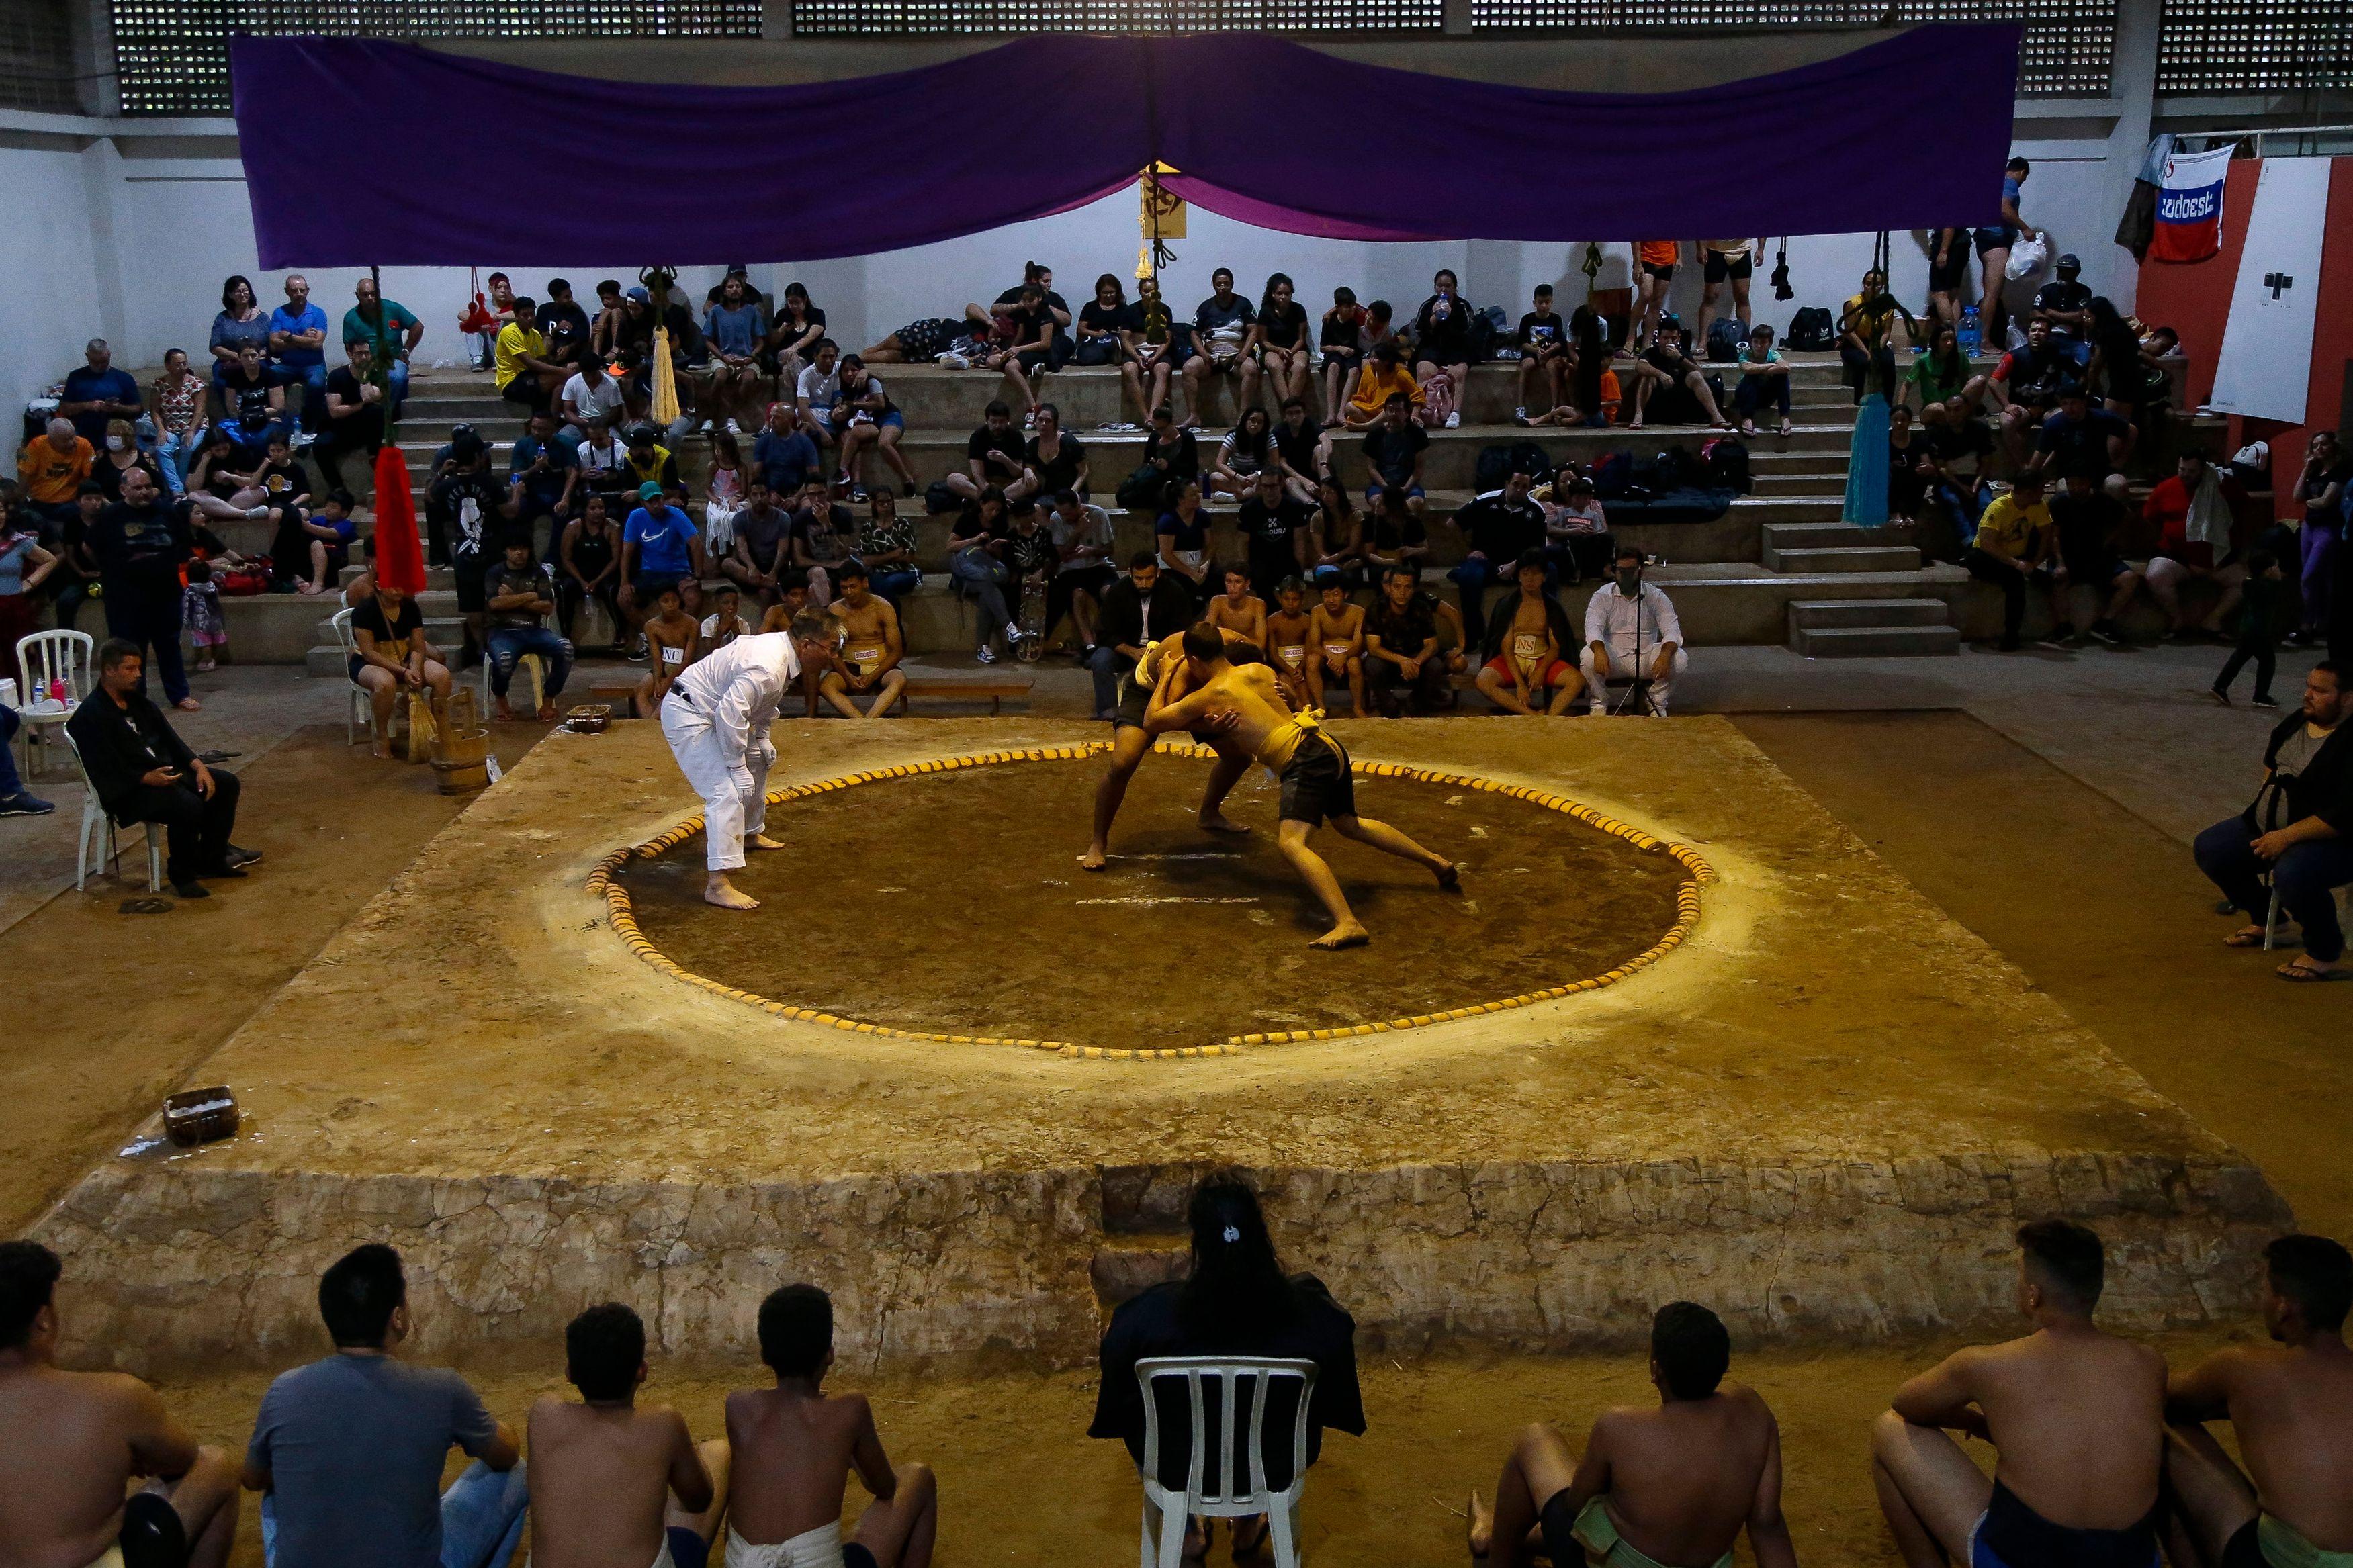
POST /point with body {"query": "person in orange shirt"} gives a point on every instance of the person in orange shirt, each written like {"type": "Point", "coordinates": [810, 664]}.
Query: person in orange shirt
{"type": "Point", "coordinates": [1654, 268]}
{"type": "Point", "coordinates": [1384, 373]}
{"type": "Point", "coordinates": [52, 467]}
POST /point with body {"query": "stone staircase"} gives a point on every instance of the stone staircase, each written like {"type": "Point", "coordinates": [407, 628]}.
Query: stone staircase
{"type": "Point", "coordinates": [1779, 566]}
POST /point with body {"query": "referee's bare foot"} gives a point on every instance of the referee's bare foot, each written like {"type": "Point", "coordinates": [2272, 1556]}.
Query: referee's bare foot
{"type": "Point", "coordinates": [1348, 933]}
{"type": "Point", "coordinates": [721, 892]}
{"type": "Point", "coordinates": [1219, 821]}
{"type": "Point", "coordinates": [1096, 856]}
{"type": "Point", "coordinates": [762, 841]}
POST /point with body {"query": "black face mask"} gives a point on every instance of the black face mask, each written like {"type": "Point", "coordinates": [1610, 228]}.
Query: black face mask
{"type": "Point", "coordinates": [1630, 582]}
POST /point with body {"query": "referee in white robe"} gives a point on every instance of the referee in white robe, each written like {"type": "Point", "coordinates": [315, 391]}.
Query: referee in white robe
{"type": "Point", "coordinates": [716, 718]}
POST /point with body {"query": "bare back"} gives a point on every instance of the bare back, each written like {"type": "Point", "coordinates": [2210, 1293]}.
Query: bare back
{"type": "Point", "coordinates": [1683, 1476]}
{"type": "Point", "coordinates": [2293, 1409]}
{"type": "Point", "coordinates": [792, 1453]}
{"type": "Point", "coordinates": [70, 1443]}
{"type": "Point", "coordinates": [600, 1476]}
{"type": "Point", "coordinates": [2079, 1419]}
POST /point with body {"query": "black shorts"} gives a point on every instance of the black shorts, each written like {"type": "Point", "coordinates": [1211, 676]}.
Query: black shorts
{"type": "Point", "coordinates": [2245, 1548]}
{"type": "Point", "coordinates": [1317, 783]}
{"type": "Point", "coordinates": [2094, 571]}
{"type": "Point", "coordinates": [1134, 697]}
{"type": "Point", "coordinates": [1664, 274]}
{"type": "Point", "coordinates": [652, 585]}
{"type": "Point", "coordinates": [1954, 272]}
{"type": "Point", "coordinates": [468, 571]}
{"type": "Point", "coordinates": [1720, 268]}
{"type": "Point", "coordinates": [1558, 1522]}
{"type": "Point", "coordinates": [153, 1534]}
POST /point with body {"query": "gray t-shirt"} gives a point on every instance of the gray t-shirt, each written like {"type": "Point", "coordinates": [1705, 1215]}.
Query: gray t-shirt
{"type": "Point", "coordinates": [355, 1445]}
{"type": "Point", "coordinates": [2295, 753]}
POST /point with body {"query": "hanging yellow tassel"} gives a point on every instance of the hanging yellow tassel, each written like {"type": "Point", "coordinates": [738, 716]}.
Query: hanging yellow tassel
{"type": "Point", "coordinates": [665, 406]}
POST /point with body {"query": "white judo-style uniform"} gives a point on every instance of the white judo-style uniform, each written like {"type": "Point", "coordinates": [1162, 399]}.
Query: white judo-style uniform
{"type": "Point", "coordinates": [1611, 620]}
{"type": "Point", "coordinates": [716, 719]}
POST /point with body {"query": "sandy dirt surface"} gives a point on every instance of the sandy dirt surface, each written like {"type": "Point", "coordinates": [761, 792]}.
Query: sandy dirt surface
{"type": "Point", "coordinates": [131, 1005]}
{"type": "Point", "coordinates": [2109, 916]}
{"type": "Point", "coordinates": [1917, 1030]}
{"type": "Point", "coordinates": [1184, 938]}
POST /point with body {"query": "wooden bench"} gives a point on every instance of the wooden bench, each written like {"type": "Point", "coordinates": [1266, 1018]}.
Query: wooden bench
{"type": "Point", "coordinates": [995, 687]}
{"type": "Point", "coordinates": [620, 689]}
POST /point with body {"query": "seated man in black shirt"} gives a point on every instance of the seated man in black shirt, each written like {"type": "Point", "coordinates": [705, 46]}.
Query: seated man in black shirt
{"type": "Point", "coordinates": [995, 457]}
{"type": "Point", "coordinates": [1499, 527]}
{"type": "Point", "coordinates": [2081, 439]}
{"type": "Point", "coordinates": [1402, 664]}
{"type": "Point", "coordinates": [141, 771]}
{"type": "Point", "coordinates": [2299, 827]}
{"type": "Point", "coordinates": [2086, 518]}
{"type": "Point", "coordinates": [2065, 302]}
{"type": "Point", "coordinates": [1276, 525]}
{"type": "Point", "coordinates": [354, 414]}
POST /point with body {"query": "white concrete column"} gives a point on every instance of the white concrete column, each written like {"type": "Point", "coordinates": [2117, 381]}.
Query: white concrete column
{"type": "Point", "coordinates": [1456, 18]}
{"type": "Point", "coordinates": [101, 181]}
{"type": "Point", "coordinates": [94, 51]}
{"type": "Point", "coordinates": [2132, 84]}
{"type": "Point", "coordinates": [775, 18]}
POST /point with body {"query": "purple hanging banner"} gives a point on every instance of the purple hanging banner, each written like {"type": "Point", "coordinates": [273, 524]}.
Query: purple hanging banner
{"type": "Point", "coordinates": [1259, 128]}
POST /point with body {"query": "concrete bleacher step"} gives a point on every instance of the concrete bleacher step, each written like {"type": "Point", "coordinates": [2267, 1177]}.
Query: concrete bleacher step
{"type": "Point", "coordinates": [1875, 642]}
{"type": "Point", "coordinates": [1872, 628]}
{"type": "Point", "coordinates": [1828, 545]}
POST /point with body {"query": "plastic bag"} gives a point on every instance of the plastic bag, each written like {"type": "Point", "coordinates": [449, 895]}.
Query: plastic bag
{"type": "Point", "coordinates": [2027, 257]}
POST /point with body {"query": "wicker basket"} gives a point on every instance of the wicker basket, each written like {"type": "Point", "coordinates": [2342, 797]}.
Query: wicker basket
{"type": "Point", "coordinates": [200, 1116]}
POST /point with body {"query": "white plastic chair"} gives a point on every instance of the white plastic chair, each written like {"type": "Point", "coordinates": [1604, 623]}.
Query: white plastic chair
{"type": "Point", "coordinates": [1166, 1511]}
{"type": "Point", "coordinates": [96, 823]}
{"type": "Point", "coordinates": [359, 713]}
{"type": "Point", "coordinates": [45, 656]}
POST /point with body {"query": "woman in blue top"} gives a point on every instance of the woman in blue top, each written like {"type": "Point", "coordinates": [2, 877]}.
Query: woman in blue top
{"type": "Point", "coordinates": [241, 324]}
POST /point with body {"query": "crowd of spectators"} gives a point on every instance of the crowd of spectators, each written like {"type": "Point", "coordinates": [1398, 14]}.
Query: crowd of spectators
{"type": "Point", "coordinates": [2103, 1450]}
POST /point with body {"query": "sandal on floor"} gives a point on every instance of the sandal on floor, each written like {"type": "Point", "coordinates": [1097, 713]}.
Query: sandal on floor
{"type": "Point", "coordinates": [2306, 974]}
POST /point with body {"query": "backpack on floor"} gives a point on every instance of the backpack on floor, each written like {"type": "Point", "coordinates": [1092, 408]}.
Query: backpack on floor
{"type": "Point", "coordinates": [1724, 340]}
{"type": "Point", "coordinates": [1727, 461]}
{"type": "Point", "coordinates": [1613, 475]}
{"type": "Point", "coordinates": [1810, 330]}
{"type": "Point", "coordinates": [939, 497]}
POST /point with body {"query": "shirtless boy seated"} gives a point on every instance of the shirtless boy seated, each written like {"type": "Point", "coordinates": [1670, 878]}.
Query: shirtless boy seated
{"type": "Point", "coordinates": [1238, 609]}
{"type": "Point", "coordinates": [1336, 642]}
{"type": "Point", "coordinates": [72, 1442]}
{"type": "Point", "coordinates": [871, 647]}
{"type": "Point", "coordinates": [2076, 1415]}
{"type": "Point", "coordinates": [1529, 671]}
{"type": "Point", "coordinates": [1130, 742]}
{"type": "Point", "coordinates": [1242, 703]}
{"type": "Point", "coordinates": [793, 1447]}
{"type": "Point", "coordinates": [614, 1484]}
{"type": "Point", "coordinates": [1669, 1488]}
{"type": "Point", "coordinates": [672, 636]}
{"type": "Point", "coordinates": [1288, 630]}
{"type": "Point", "coordinates": [2292, 1407]}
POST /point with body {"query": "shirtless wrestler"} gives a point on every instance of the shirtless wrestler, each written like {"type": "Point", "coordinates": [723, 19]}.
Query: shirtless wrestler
{"type": "Point", "coordinates": [1242, 705]}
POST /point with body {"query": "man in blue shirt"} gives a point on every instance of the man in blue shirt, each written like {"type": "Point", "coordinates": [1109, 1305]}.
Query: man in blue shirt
{"type": "Point", "coordinates": [545, 471]}
{"type": "Point", "coordinates": [784, 455]}
{"type": "Point", "coordinates": [659, 549]}
{"type": "Point", "coordinates": [298, 343]}
{"type": "Point", "coordinates": [347, 1452]}
{"type": "Point", "coordinates": [95, 392]}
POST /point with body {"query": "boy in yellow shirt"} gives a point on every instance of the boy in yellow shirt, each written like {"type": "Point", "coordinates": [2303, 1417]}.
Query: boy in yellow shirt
{"type": "Point", "coordinates": [525, 374]}
{"type": "Point", "coordinates": [2013, 537]}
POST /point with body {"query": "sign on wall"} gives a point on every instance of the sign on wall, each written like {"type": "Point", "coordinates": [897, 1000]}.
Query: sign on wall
{"type": "Point", "coordinates": [2264, 369]}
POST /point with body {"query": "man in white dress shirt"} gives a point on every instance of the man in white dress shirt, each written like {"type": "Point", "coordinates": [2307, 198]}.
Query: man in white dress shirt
{"type": "Point", "coordinates": [716, 719]}
{"type": "Point", "coordinates": [1630, 629]}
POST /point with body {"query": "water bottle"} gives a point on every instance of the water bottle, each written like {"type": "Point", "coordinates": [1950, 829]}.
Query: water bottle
{"type": "Point", "coordinates": [1970, 332]}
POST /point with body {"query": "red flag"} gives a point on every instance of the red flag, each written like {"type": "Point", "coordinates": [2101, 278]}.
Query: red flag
{"type": "Point", "coordinates": [399, 551]}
